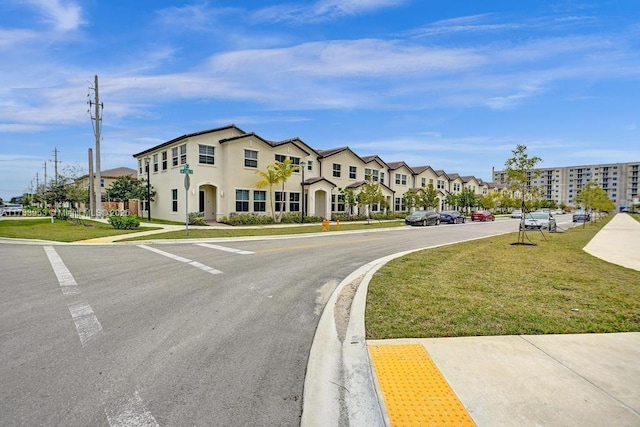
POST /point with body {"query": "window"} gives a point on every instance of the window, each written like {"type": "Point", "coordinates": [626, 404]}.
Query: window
{"type": "Point", "coordinates": [140, 166]}
{"type": "Point", "coordinates": [280, 205]}
{"type": "Point", "coordinates": [374, 175]}
{"type": "Point", "coordinates": [242, 200]}
{"type": "Point", "coordinates": [280, 158]}
{"type": "Point", "coordinates": [174, 200]}
{"type": "Point", "coordinates": [206, 154]}
{"type": "Point", "coordinates": [259, 201]}
{"type": "Point", "coordinates": [155, 163]}
{"type": "Point", "coordinates": [294, 202]}
{"type": "Point", "coordinates": [337, 170]}
{"type": "Point", "coordinates": [250, 158]}
{"type": "Point", "coordinates": [183, 154]}
{"type": "Point", "coordinates": [399, 205]}
{"type": "Point", "coordinates": [174, 156]}
{"type": "Point", "coordinates": [164, 160]}
{"type": "Point", "coordinates": [309, 165]}
{"type": "Point", "coordinates": [337, 203]}
{"type": "Point", "coordinates": [401, 179]}
{"type": "Point", "coordinates": [101, 182]}
{"type": "Point", "coordinates": [352, 172]}
{"type": "Point", "coordinates": [424, 182]}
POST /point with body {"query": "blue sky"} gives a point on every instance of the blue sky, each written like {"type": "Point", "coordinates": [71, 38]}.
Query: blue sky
{"type": "Point", "coordinates": [455, 85]}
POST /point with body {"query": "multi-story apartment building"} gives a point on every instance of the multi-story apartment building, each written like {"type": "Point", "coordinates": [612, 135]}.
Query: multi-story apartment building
{"type": "Point", "coordinates": [225, 163]}
{"type": "Point", "coordinates": [562, 184]}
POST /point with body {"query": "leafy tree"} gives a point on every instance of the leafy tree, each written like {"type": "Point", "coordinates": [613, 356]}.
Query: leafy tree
{"type": "Point", "coordinates": [125, 188]}
{"type": "Point", "coordinates": [452, 200]}
{"type": "Point", "coordinates": [468, 198]}
{"type": "Point", "coordinates": [369, 195]}
{"type": "Point", "coordinates": [428, 197]}
{"type": "Point", "coordinates": [519, 170]}
{"type": "Point", "coordinates": [593, 197]}
{"type": "Point", "coordinates": [350, 199]}
{"type": "Point", "coordinates": [269, 178]}
{"type": "Point", "coordinates": [410, 199]}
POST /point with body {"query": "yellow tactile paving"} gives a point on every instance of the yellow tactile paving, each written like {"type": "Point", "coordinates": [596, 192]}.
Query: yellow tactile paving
{"type": "Point", "coordinates": [415, 392]}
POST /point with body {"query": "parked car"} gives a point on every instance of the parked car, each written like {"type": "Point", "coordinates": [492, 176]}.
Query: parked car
{"type": "Point", "coordinates": [482, 216]}
{"type": "Point", "coordinates": [581, 216]}
{"type": "Point", "coordinates": [516, 213]}
{"type": "Point", "coordinates": [452, 217]}
{"type": "Point", "coordinates": [423, 218]}
{"type": "Point", "coordinates": [558, 212]}
{"type": "Point", "coordinates": [540, 221]}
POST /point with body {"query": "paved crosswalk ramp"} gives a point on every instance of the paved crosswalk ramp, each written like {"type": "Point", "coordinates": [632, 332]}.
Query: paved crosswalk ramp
{"type": "Point", "coordinates": [414, 391]}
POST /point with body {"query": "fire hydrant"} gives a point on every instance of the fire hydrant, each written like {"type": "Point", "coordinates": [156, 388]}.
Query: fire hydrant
{"type": "Point", "coordinates": [325, 225]}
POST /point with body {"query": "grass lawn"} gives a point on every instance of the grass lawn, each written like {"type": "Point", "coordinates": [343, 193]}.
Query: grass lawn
{"type": "Point", "coordinates": [59, 231]}
{"type": "Point", "coordinates": [490, 287]}
{"type": "Point", "coordinates": [267, 230]}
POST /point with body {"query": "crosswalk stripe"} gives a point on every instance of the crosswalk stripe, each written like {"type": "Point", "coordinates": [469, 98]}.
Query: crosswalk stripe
{"type": "Point", "coordinates": [182, 259]}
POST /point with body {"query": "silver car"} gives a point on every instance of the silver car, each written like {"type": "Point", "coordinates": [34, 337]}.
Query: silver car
{"type": "Point", "coordinates": [539, 221]}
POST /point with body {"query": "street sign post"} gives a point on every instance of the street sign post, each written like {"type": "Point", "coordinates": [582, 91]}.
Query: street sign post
{"type": "Point", "coordinates": [187, 183]}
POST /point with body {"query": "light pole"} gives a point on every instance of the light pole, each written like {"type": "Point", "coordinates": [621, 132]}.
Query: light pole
{"type": "Point", "coordinates": [302, 165]}
{"type": "Point", "coordinates": [147, 162]}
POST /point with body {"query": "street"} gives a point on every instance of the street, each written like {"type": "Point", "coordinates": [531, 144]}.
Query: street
{"type": "Point", "coordinates": [186, 333]}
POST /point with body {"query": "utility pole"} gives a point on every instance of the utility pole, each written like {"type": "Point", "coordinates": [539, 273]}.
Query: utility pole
{"type": "Point", "coordinates": [55, 165]}
{"type": "Point", "coordinates": [92, 200]}
{"type": "Point", "coordinates": [96, 121]}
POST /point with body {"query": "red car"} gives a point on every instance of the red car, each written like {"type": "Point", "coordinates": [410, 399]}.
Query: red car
{"type": "Point", "coordinates": [482, 216]}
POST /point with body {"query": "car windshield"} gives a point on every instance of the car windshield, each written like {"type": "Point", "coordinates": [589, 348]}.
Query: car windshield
{"type": "Point", "coordinates": [538, 215]}
{"type": "Point", "coordinates": [420, 213]}
{"type": "Point", "coordinates": [448, 212]}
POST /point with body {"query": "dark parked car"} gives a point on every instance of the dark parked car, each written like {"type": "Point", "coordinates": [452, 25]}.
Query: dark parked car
{"type": "Point", "coordinates": [581, 216]}
{"type": "Point", "coordinates": [482, 216]}
{"type": "Point", "coordinates": [452, 217]}
{"type": "Point", "coordinates": [423, 218]}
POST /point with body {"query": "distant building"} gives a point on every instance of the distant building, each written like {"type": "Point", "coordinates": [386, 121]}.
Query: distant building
{"type": "Point", "coordinates": [107, 177]}
{"type": "Point", "coordinates": [562, 184]}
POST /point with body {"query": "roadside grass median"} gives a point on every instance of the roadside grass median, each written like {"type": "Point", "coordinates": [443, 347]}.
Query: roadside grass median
{"type": "Point", "coordinates": [265, 230]}
{"type": "Point", "coordinates": [60, 230]}
{"type": "Point", "coordinates": [491, 287]}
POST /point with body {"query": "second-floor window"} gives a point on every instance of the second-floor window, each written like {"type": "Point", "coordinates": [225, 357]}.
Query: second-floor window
{"type": "Point", "coordinates": [155, 163]}
{"type": "Point", "coordinates": [337, 168]}
{"type": "Point", "coordinates": [206, 154]}
{"type": "Point", "coordinates": [164, 160]}
{"type": "Point", "coordinates": [352, 172]}
{"type": "Point", "coordinates": [250, 158]}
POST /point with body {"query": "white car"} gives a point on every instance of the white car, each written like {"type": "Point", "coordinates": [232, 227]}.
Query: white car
{"type": "Point", "coordinates": [516, 213]}
{"type": "Point", "coordinates": [540, 221]}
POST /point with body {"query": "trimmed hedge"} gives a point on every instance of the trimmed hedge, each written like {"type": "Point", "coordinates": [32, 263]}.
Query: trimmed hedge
{"type": "Point", "coordinates": [123, 222]}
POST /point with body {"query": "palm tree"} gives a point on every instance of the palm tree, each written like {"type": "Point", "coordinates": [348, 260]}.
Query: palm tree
{"type": "Point", "coordinates": [283, 171]}
{"type": "Point", "coordinates": [269, 179]}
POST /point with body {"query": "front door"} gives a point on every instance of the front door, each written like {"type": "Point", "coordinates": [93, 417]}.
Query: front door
{"type": "Point", "coordinates": [201, 207]}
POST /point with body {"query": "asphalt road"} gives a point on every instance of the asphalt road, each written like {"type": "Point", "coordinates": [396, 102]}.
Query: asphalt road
{"type": "Point", "coordinates": [176, 334]}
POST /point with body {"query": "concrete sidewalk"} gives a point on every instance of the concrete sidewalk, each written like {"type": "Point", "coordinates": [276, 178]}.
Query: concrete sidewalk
{"type": "Point", "coordinates": [541, 380]}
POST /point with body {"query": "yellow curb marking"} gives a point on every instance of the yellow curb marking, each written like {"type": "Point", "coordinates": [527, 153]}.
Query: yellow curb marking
{"type": "Point", "coordinates": [415, 392]}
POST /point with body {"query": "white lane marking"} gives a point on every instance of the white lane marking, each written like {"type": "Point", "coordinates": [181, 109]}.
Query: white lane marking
{"type": "Point", "coordinates": [224, 248]}
{"type": "Point", "coordinates": [181, 259]}
{"type": "Point", "coordinates": [84, 318]}
{"type": "Point", "coordinates": [132, 413]}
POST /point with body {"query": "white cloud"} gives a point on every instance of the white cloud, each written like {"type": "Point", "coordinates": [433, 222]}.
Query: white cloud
{"type": "Point", "coordinates": [321, 10]}
{"type": "Point", "coordinates": [63, 15]}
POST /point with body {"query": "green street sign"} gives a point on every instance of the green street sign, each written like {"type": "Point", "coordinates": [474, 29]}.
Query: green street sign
{"type": "Point", "coordinates": [186, 169]}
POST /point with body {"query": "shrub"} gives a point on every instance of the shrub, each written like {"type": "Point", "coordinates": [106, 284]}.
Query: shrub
{"type": "Point", "coordinates": [196, 218]}
{"type": "Point", "coordinates": [123, 222]}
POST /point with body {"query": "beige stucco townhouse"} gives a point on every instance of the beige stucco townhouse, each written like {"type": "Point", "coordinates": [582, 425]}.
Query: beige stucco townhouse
{"type": "Point", "coordinates": [225, 162]}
